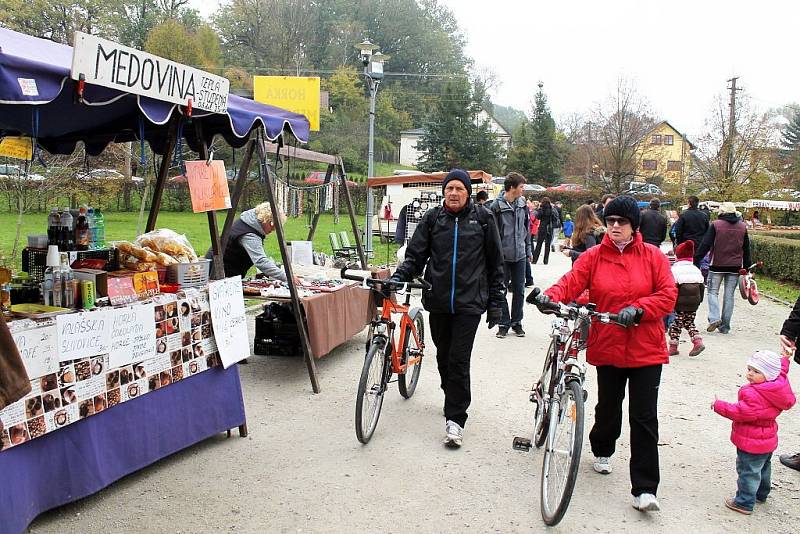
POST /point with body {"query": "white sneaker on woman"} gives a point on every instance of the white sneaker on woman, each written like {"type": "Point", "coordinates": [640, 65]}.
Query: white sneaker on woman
{"type": "Point", "coordinates": [602, 465]}
{"type": "Point", "coordinates": [646, 502]}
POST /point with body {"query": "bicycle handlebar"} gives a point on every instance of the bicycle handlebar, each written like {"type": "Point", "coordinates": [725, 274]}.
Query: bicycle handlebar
{"type": "Point", "coordinates": [386, 283]}
{"type": "Point", "coordinates": [573, 311]}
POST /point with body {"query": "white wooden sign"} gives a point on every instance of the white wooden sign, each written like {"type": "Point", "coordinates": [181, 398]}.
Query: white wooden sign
{"type": "Point", "coordinates": [228, 320]}
{"type": "Point", "coordinates": [84, 334]}
{"type": "Point", "coordinates": [109, 64]}
{"type": "Point", "coordinates": [133, 334]}
{"type": "Point", "coordinates": [37, 347]}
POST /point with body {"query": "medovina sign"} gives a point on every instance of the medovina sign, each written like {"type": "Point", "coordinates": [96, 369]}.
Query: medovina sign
{"type": "Point", "coordinates": [109, 64]}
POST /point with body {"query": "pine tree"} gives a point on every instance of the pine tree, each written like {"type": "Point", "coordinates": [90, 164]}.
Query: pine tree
{"type": "Point", "coordinates": [454, 137]}
{"type": "Point", "coordinates": [547, 160]}
{"type": "Point", "coordinates": [791, 134]}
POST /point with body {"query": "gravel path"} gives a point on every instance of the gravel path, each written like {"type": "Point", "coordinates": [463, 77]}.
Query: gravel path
{"type": "Point", "coordinates": [302, 469]}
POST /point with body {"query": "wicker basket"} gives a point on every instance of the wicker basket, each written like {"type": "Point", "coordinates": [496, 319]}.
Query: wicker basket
{"type": "Point", "coordinates": [189, 274]}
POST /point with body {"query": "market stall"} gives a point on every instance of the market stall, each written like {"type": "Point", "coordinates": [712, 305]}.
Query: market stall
{"type": "Point", "coordinates": [139, 363]}
{"type": "Point", "coordinates": [772, 214]}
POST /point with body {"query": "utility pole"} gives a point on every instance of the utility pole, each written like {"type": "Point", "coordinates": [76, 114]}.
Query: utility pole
{"type": "Point", "coordinates": [731, 128]}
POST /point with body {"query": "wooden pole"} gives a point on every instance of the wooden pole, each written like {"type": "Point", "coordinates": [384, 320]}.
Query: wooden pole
{"type": "Point", "coordinates": [161, 179]}
{"type": "Point", "coordinates": [352, 213]}
{"type": "Point", "coordinates": [241, 181]}
{"type": "Point", "coordinates": [297, 308]}
{"type": "Point", "coordinates": [314, 223]}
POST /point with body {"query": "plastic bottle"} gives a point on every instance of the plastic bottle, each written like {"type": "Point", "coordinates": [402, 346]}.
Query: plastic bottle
{"type": "Point", "coordinates": [82, 231]}
{"type": "Point", "coordinates": [100, 229]}
{"type": "Point", "coordinates": [68, 279]}
{"type": "Point", "coordinates": [67, 236]}
{"type": "Point", "coordinates": [53, 263]}
{"type": "Point", "coordinates": [92, 229]}
{"type": "Point", "coordinates": [53, 222]}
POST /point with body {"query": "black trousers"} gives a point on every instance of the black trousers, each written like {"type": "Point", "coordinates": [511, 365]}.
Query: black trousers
{"type": "Point", "coordinates": [542, 240]}
{"type": "Point", "coordinates": [453, 336]}
{"type": "Point", "coordinates": [643, 385]}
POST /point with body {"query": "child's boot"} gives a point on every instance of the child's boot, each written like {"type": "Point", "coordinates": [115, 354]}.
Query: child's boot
{"type": "Point", "coordinates": [673, 347]}
{"type": "Point", "coordinates": [697, 346]}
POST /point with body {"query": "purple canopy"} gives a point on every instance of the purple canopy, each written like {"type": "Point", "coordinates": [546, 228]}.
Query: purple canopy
{"type": "Point", "coordinates": [37, 99]}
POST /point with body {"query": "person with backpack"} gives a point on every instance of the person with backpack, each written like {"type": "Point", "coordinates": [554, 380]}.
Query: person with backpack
{"type": "Point", "coordinates": [654, 224]}
{"type": "Point", "coordinates": [689, 280]}
{"type": "Point", "coordinates": [548, 221]}
{"type": "Point", "coordinates": [510, 212]}
{"type": "Point", "coordinates": [458, 248]}
{"type": "Point", "coordinates": [692, 223]}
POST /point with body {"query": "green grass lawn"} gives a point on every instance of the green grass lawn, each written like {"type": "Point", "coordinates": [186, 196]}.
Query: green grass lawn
{"type": "Point", "coordinates": [122, 226]}
{"type": "Point", "coordinates": [785, 291]}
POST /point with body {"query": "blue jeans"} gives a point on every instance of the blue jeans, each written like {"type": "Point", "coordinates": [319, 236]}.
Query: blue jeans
{"type": "Point", "coordinates": [755, 471]}
{"type": "Point", "coordinates": [715, 280]}
{"type": "Point", "coordinates": [515, 284]}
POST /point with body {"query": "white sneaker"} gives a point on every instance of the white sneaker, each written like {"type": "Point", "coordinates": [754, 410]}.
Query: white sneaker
{"type": "Point", "coordinates": [455, 435]}
{"type": "Point", "coordinates": [646, 502]}
{"type": "Point", "coordinates": [602, 465]}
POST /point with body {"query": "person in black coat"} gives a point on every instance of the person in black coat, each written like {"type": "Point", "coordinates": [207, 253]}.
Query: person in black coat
{"type": "Point", "coordinates": [548, 220]}
{"type": "Point", "coordinates": [457, 245]}
{"type": "Point", "coordinates": [653, 224]}
{"type": "Point", "coordinates": [692, 224]}
{"type": "Point", "coordinates": [790, 332]}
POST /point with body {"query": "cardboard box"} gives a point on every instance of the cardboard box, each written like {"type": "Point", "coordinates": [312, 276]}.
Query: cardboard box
{"type": "Point", "coordinates": [99, 277]}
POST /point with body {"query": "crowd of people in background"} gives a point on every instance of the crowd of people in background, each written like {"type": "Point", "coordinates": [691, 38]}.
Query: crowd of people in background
{"type": "Point", "coordinates": [483, 250]}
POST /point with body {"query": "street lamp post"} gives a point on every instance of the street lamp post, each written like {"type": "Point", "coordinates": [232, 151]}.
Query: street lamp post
{"type": "Point", "coordinates": [373, 72]}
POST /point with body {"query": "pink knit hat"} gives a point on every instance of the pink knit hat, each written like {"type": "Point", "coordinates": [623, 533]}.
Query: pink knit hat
{"type": "Point", "coordinates": [767, 362]}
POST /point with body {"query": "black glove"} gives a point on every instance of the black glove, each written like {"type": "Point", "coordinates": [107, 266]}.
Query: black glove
{"type": "Point", "coordinates": [493, 316]}
{"type": "Point", "coordinates": [629, 315]}
{"type": "Point", "coordinates": [395, 278]}
{"type": "Point", "coordinates": [537, 297]}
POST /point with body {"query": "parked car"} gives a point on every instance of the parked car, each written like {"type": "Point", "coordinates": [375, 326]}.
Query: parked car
{"type": "Point", "coordinates": [318, 177]}
{"type": "Point", "coordinates": [643, 189]}
{"type": "Point", "coordinates": [566, 187]}
{"type": "Point", "coordinates": [16, 172]}
{"type": "Point", "coordinates": [534, 188]}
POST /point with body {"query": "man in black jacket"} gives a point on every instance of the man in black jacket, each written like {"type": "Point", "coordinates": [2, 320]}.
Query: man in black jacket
{"type": "Point", "coordinates": [692, 224]}
{"type": "Point", "coordinates": [789, 334]}
{"type": "Point", "coordinates": [458, 246]}
{"type": "Point", "coordinates": [653, 225]}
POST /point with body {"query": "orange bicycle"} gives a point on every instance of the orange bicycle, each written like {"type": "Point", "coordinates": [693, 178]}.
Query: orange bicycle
{"type": "Point", "coordinates": [386, 355]}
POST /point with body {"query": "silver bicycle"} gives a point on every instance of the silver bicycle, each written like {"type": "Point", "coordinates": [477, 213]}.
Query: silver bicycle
{"type": "Point", "coordinates": [559, 396]}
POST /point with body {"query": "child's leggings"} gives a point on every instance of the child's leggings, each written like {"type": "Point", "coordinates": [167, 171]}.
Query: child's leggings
{"type": "Point", "coordinates": [683, 320]}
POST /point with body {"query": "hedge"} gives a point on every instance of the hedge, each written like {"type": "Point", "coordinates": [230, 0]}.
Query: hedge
{"type": "Point", "coordinates": [781, 256]}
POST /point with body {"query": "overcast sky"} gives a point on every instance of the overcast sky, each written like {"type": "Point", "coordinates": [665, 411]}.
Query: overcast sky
{"type": "Point", "coordinates": [679, 53]}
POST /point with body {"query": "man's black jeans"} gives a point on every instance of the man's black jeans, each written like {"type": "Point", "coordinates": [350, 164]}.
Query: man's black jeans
{"type": "Point", "coordinates": [453, 336]}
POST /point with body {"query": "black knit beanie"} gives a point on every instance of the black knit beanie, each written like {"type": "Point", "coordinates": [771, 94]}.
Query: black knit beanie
{"type": "Point", "coordinates": [624, 206]}
{"type": "Point", "coordinates": [460, 175]}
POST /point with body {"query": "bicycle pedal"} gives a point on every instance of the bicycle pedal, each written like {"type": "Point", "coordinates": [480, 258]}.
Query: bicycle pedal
{"type": "Point", "coordinates": [521, 444]}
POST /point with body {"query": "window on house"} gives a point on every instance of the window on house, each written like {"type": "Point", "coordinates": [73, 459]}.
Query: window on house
{"type": "Point", "coordinates": [674, 165]}
{"type": "Point", "coordinates": [655, 140]}
{"type": "Point", "coordinates": [669, 140]}
{"type": "Point", "coordinates": [649, 165]}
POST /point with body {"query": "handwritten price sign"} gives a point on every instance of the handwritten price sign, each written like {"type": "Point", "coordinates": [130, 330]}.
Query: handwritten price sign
{"type": "Point", "coordinates": [208, 186]}
{"type": "Point", "coordinates": [228, 319]}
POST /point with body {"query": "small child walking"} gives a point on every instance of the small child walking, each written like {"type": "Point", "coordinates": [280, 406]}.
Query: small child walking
{"type": "Point", "coordinates": [689, 280]}
{"type": "Point", "coordinates": [754, 430]}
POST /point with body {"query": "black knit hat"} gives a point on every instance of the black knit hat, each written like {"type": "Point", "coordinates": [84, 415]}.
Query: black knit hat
{"type": "Point", "coordinates": [460, 175]}
{"type": "Point", "coordinates": [624, 206]}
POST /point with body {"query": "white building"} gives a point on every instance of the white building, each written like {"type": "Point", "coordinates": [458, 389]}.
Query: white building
{"type": "Point", "coordinates": [409, 155]}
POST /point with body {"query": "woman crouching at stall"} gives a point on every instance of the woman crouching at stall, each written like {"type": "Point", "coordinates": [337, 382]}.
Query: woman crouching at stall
{"type": "Point", "coordinates": [626, 276]}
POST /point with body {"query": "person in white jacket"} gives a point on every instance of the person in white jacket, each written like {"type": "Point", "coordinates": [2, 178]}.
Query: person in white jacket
{"type": "Point", "coordinates": [689, 280]}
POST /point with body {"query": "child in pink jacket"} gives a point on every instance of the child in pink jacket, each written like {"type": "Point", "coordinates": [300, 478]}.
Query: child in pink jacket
{"type": "Point", "coordinates": [755, 432]}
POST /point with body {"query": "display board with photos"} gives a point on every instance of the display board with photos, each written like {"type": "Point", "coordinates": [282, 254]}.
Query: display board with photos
{"type": "Point", "coordinates": [417, 208]}
{"type": "Point", "coordinates": [139, 358]}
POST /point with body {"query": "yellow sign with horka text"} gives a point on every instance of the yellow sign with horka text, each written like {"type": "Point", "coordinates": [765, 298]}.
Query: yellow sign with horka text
{"type": "Point", "coordinates": [293, 93]}
{"type": "Point", "coordinates": [16, 147]}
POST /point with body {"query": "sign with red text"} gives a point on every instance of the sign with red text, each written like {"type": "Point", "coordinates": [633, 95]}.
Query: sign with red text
{"type": "Point", "coordinates": [208, 185]}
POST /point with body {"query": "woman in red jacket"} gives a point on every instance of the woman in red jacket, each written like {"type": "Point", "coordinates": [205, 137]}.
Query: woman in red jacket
{"type": "Point", "coordinates": [626, 276]}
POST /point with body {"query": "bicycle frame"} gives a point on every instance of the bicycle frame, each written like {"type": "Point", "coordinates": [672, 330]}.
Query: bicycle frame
{"type": "Point", "coordinates": [388, 308]}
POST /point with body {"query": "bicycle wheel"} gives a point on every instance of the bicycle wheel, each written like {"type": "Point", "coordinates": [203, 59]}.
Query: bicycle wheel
{"type": "Point", "coordinates": [371, 387]}
{"type": "Point", "coordinates": [563, 453]}
{"type": "Point", "coordinates": [754, 296]}
{"type": "Point", "coordinates": [744, 287]}
{"type": "Point", "coordinates": [407, 382]}
{"type": "Point", "coordinates": [547, 385]}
